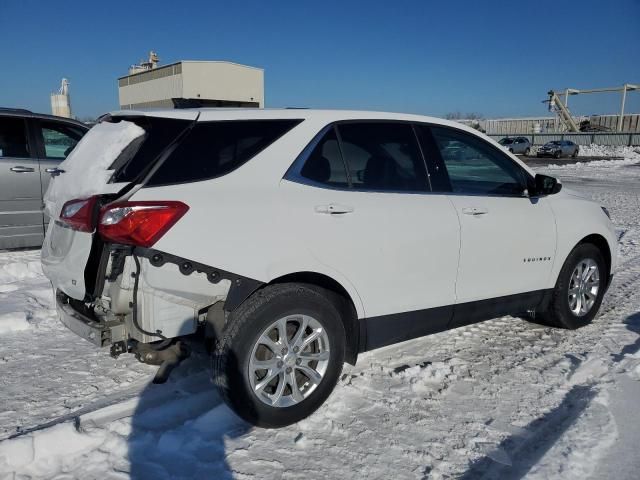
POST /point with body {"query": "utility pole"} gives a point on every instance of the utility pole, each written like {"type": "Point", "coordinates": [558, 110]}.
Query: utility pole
{"type": "Point", "coordinates": [624, 98]}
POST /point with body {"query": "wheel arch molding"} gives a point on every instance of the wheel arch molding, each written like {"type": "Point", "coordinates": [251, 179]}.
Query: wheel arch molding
{"type": "Point", "coordinates": [600, 242]}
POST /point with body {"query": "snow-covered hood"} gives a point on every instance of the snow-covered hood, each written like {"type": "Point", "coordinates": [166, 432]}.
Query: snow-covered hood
{"type": "Point", "coordinates": [86, 169]}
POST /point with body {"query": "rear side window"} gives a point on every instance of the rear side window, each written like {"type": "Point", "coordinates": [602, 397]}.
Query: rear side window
{"type": "Point", "coordinates": [374, 156]}
{"type": "Point", "coordinates": [213, 149]}
{"type": "Point", "coordinates": [383, 156]}
{"type": "Point", "coordinates": [13, 138]}
{"type": "Point", "coordinates": [325, 164]}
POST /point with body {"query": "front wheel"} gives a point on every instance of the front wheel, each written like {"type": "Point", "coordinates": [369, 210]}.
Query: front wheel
{"type": "Point", "coordinates": [281, 354]}
{"type": "Point", "coordinates": [557, 154]}
{"type": "Point", "coordinates": [578, 293]}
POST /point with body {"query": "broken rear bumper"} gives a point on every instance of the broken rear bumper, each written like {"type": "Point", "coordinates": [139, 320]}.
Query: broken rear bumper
{"type": "Point", "coordinates": [99, 333]}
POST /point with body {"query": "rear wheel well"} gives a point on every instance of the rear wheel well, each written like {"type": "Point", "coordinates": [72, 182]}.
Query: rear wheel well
{"type": "Point", "coordinates": [343, 300]}
{"type": "Point", "coordinates": [601, 244]}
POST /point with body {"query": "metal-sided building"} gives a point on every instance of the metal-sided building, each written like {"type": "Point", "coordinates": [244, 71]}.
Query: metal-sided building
{"type": "Point", "coordinates": [193, 83]}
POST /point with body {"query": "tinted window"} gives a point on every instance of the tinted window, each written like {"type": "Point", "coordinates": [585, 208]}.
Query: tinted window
{"type": "Point", "coordinates": [475, 167]}
{"type": "Point", "coordinates": [13, 138]}
{"type": "Point", "coordinates": [142, 151]}
{"type": "Point", "coordinates": [325, 164]}
{"type": "Point", "coordinates": [506, 141]}
{"type": "Point", "coordinates": [382, 156]}
{"type": "Point", "coordinates": [59, 139]}
{"type": "Point", "coordinates": [210, 150]}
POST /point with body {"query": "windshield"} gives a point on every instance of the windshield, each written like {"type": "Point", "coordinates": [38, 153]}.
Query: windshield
{"type": "Point", "coordinates": [506, 141]}
{"type": "Point", "coordinates": [551, 144]}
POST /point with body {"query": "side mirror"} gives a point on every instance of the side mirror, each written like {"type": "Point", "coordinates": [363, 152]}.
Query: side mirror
{"type": "Point", "coordinates": [545, 185]}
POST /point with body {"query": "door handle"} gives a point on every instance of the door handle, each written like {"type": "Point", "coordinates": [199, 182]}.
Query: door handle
{"type": "Point", "coordinates": [475, 210]}
{"type": "Point", "coordinates": [20, 169]}
{"type": "Point", "coordinates": [333, 209]}
{"type": "Point", "coordinates": [54, 171]}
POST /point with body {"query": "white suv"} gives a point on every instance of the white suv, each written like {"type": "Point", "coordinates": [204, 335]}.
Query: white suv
{"type": "Point", "coordinates": [298, 238]}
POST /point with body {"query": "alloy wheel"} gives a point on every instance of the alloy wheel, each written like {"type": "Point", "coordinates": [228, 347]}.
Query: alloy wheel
{"type": "Point", "coordinates": [584, 285]}
{"type": "Point", "coordinates": [289, 360]}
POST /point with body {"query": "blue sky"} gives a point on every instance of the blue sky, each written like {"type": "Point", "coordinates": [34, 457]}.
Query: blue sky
{"type": "Point", "coordinates": [497, 58]}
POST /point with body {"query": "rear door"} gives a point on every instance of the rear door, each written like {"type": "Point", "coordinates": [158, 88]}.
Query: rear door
{"type": "Point", "coordinates": [20, 194]}
{"type": "Point", "coordinates": [362, 207]}
{"type": "Point", "coordinates": [508, 239]}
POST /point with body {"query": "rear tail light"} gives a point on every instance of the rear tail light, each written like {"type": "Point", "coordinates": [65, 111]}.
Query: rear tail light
{"type": "Point", "coordinates": [80, 214]}
{"type": "Point", "coordinates": [138, 223]}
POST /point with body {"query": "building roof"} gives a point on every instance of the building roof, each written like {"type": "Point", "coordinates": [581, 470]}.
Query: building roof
{"type": "Point", "coordinates": [160, 67]}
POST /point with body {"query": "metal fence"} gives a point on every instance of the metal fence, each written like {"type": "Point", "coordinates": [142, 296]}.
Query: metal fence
{"type": "Point", "coordinates": [511, 126]}
{"type": "Point", "coordinates": [614, 139]}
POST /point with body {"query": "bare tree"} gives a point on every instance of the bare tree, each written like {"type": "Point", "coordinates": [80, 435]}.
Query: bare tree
{"type": "Point", "coordinates": [459, 116]}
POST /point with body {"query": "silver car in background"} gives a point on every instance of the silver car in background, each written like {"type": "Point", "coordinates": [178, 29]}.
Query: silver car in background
{"type": "Point", "coordinates": [559, 148]}
{"type": "Point", "coordinates": [32, 145]}
{"type": "Point", "coordinates": [519, 145]}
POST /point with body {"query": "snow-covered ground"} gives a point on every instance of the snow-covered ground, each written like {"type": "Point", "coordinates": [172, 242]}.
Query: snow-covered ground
{"type": "Point", "coordinates": [501, 399]}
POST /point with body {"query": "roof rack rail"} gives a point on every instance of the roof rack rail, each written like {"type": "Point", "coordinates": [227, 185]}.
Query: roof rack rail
{"type": "Point", "coordinates": [14, 110]}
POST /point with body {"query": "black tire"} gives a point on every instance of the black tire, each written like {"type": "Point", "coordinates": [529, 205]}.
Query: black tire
{"type": "Point", "coordinates": [527, 151]}
{"type": "Point", "coordinates": [557, 154]}
{"type": "Point", "coordinates": [511, 150]}
{"type": "Point", "coordinates": [242, 329]}
{"type": "Point", "coordinates": [558, 314]}
{"type": "Point", "coordinates": [575, 153]}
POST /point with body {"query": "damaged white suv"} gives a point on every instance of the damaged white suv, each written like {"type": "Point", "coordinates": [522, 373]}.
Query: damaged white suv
{"type": "Point", "coordinates": [296, 239]}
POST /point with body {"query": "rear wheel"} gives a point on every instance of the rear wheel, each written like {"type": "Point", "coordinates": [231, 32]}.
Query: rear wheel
{"type": "Point", "coordinates": [578, 293]}
{"type": "Point", "coordinates": [575, 153]}
{"type": "Point", "coordinates": [281, 354]}
{"type": "Point", "coordinates": [527, 151]}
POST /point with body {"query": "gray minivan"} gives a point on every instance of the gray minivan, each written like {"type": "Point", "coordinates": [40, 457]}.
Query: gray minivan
{"type": "Point", "coordinates": [32, 145]}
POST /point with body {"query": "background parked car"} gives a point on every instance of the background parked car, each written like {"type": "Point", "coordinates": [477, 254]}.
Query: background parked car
{"type": "Point", "coordinates": [520, 145]}
{"type": "Point", "coordinates": [558, 148]}
{"type": "Point", "coordinates": [31, 147]}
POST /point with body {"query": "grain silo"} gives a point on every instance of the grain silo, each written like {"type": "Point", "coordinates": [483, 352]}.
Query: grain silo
{"type": "Point", "coordinates": [60, 100]}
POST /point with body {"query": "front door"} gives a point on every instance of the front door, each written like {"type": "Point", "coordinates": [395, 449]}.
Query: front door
{"type": "Point", "coordinates": [20, 192]}
{"type": "Point", "coordinates": [508, 239]}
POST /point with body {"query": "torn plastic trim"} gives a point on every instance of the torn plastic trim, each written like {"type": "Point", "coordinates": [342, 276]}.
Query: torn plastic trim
{"type": "Point", "coordinates": [241, 287]}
